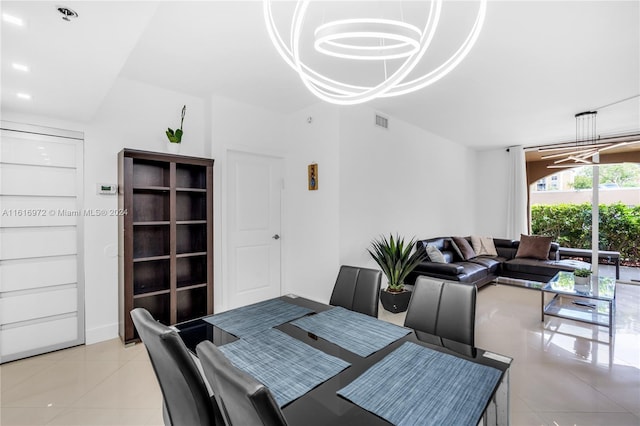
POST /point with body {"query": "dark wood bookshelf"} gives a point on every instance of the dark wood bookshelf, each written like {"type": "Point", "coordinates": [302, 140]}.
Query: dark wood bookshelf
{"type": "Point", "coordinates": [166, 237]}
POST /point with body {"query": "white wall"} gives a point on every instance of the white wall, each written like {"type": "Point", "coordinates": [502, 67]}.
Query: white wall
{"type": "Point", "coordinates": [133, 115]}
{"type": "Point", "coordinates": [491, 192]}
{"type": "Point", "coordinates": [400, 180]}
{"type": "Point", "coordinates": [240, 127]}
{"type": "Point", "coordinates": [312, 217]}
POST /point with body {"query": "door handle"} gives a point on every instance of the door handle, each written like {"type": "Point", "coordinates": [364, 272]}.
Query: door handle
{"type": "Point", "coordinates": [276, 237]}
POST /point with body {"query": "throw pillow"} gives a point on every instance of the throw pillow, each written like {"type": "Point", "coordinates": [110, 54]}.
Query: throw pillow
{"type": "Point", "coordinates": [463, 248]}
{"type": "Point", "coordinates": [534, 246]}
{"type": "Point", "coordinates": [483, 245]}
{"type": "Point", "coordinates": [435, 255]}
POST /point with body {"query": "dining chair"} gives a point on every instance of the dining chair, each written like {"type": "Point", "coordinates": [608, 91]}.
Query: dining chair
{"type": "Point", "coordinates": [243, 400]}
{"type": "Point", "coordinates": [357, 289]}
{"type": "Point", "coordinates": [444, 309]}
{"type": "Point", "coordinates": [186, 400]}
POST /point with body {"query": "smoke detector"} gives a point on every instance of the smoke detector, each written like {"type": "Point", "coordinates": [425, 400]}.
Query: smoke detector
{"type": "Point", "coordinates": [67, 14]}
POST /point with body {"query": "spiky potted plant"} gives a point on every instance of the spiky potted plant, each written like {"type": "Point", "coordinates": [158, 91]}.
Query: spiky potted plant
{"type": "Point", "coordinates": [397, 260]}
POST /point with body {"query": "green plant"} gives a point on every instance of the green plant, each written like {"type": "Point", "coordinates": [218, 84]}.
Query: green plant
{"type": "Point", "coordinates": [176, 137]}
{"type": "Point", "coordinates": [582, 272]}
{"type": "Point", "coordinates": [570, 225]}
{"type": "Point", "coordinates": [395, 259]}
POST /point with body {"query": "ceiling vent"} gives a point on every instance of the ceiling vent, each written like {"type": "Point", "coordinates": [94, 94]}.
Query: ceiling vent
{"type": "Point", "coordinates": [67, 14]}
{"type": "Point", "coordinates": [382, 121]}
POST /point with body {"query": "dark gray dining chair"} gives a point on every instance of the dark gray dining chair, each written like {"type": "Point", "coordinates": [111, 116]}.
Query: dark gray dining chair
{"type": "Point", "coordinates": [357, 289]}
{"type": "Point", "coordinates": [243, 400]}
{"type": "Point", "coordinates": [443, 309]}
{"type": "Point", "coordinates": [186, 400]}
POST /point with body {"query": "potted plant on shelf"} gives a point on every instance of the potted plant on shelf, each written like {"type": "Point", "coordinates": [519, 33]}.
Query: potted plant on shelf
{"type": "Point", "coordinates": [175, 137]}
{"type": "Point", "coordinates": [396, 260]}
{"type": "Point", "coordinates": [582, 277]}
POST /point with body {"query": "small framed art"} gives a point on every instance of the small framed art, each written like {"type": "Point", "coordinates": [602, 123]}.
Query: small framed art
{"type": "Point", "coordinates": [312, 171]}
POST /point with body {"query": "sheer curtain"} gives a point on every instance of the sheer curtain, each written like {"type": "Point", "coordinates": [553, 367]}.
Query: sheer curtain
{"type": "Point", "coordinates": [517, 218]}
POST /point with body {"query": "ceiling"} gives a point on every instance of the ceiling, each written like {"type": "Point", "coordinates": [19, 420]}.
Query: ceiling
{"type": "Point", "coordinates": [535, 65]}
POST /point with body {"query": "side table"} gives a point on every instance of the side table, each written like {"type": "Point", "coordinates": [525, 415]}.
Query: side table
{"type": "Point", "coordinates": [594, 304]}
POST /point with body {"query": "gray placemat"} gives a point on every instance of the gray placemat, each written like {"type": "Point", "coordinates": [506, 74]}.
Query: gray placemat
{"type": "Point", "coordinates": [415, 385]}
{"type": "Point", "coordinates": [355, 332]}
{"type": "Point", "coordinates": [288, 367]}
{"type": "Point", "coordinates": [250, 319]}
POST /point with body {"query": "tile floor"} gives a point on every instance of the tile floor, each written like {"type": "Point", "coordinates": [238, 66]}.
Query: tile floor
{"type": "Point", "coordinates": [563, 373]}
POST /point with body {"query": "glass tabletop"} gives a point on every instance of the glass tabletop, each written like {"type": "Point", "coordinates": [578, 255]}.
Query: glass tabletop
{"type": "Point", "coordinates": [601, 288]}
{"type": "Point", "coordinates": [322, 405]}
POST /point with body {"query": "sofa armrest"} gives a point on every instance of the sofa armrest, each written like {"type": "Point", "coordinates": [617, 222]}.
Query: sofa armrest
{"type": "Point", "coordinates": [439, 268]}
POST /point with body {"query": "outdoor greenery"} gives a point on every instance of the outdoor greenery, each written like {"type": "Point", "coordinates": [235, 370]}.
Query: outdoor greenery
{"type": "Point", "coordinates": [570, 226]}
{"type": "Point", "coordinates": [626, 175]}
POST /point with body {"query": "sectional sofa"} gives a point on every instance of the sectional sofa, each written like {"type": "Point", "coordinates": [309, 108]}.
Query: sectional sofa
{"type": "Point", "coordinates": [510, 260]}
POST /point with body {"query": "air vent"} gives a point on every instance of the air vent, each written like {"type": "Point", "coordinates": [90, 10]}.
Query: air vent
{"type": "Point", "coordinates": [382, 121]}
{"type": "Point", "coordinates": [67, 14]}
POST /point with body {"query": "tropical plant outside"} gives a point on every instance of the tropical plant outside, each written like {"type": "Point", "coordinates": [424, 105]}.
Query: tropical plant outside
{"type": "Point", "coordinates": [570, 226]}
{"type": "Point", "coordinates": [395, 259]}
{"type": "Point", "coordinates": [626, 175]}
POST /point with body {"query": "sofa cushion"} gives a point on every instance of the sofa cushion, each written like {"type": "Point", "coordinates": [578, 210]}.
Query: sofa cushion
{"type": "Point", "coordinates": [471, 272]}
{"type": "Point", "coordinates": [534, 247]}
{"type": "Point", "coordinates": [521, 265]}
{"type": "Point", "coordinates": [444, 269]}
{"type": "Point", "coordinates": [463, 248]}
{"type": "Point", "coordinates": [483, 245]}
{"type": "Point", "coordinates": [492, 263]}
{"type": "Point", "coordinates": [434, 254]}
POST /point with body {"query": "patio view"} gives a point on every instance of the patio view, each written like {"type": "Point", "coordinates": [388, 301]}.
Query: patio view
{"type": "Point", "coordinates": [561, 207]}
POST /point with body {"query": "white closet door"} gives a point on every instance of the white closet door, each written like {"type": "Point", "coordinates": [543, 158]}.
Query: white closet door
{"type": "Point", "coordinates": [41, 276]}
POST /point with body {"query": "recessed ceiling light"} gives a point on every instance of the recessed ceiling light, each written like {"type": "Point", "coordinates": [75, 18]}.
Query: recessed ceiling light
{"type": "Point", "coordinates": [24, 96]}
{"type": "Point", "coordinates": [20, 67]}
{"type": "Point", "coordinates": [12, 19]}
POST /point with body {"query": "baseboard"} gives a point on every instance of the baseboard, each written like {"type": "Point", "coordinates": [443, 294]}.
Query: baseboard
{"type": "Point", "coordinates": [100, 334]}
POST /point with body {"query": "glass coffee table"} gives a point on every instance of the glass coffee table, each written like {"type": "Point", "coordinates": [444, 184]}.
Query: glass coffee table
{"type": "Point", "coordinates": [592, 304]}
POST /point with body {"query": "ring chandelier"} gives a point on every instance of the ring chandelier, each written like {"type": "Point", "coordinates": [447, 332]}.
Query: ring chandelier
{"type": "Point", "coordinates": [368, 40]}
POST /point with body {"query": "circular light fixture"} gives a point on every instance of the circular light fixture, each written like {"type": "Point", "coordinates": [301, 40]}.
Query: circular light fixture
{"type": "Point", "coordinates": [351, 39]}
{"type": "Point", "coordinates": [347, 39]}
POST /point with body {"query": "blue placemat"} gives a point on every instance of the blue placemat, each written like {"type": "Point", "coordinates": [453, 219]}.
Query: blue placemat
{"type": "Point", "coordinates": [355, 332]}
{"type": "Point", "coordinates": [414, 385]}
{"type": "Point", "coordinates": [258, 317]}
{"type": "Point", "coordinates": [287, 366]}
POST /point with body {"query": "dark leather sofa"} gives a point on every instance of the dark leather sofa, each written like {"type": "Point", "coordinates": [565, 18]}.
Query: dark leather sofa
{"type": "Point", "coordinates": [484, 269]}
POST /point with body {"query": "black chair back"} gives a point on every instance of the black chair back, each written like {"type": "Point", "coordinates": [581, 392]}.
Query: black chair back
{"type": "Point", "coordinates": [357, 289]}
{"type": "Point", "coordinates": [445, 309]}
{"type": "Point", "coordinates": [186, 398]}
{"type": "Point", "coordinates": [244, 401]}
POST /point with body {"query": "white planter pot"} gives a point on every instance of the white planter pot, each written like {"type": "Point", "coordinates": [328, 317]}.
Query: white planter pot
{"type": "Point", "coordinates": [581, 280]}
{"type": "Point", "coordinates": [582, 284]}
{"type": "Point", "coordinates": [173, 148]}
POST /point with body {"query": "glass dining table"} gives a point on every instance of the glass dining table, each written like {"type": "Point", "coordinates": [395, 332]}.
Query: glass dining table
{"type": "Point", "coordinates": [375, 373]}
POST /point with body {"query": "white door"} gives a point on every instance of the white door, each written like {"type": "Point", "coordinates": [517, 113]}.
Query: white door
{"type": "Point", "coordinates": [254, 192]}
{"type": "Point", "coordinates": [41, 286]}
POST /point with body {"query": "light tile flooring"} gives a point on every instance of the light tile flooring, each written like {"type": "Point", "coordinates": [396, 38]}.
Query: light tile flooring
{"type": "Point", "coordinates": [563, 373]}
